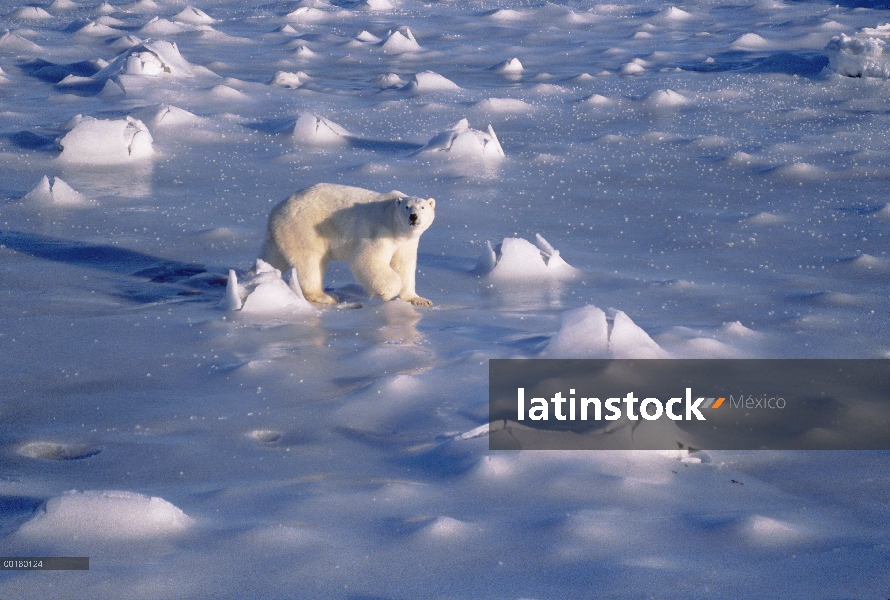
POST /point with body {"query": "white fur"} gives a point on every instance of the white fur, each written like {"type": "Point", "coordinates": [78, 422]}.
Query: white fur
{"type": "Point", "coordinates": [372, 231]}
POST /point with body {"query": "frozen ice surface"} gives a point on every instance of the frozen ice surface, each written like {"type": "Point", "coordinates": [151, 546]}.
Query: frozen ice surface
{"type": "Point", "coordinates": [715, 172]}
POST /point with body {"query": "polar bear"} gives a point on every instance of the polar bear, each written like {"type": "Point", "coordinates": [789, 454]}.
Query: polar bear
{"type": "Point", "coordinates": [377, 233]}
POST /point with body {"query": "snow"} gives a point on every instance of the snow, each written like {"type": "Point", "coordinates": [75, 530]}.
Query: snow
{"type": "Point", "coordinates": [858, 56]}
{"type": "Point", "coordinates": [429, 82]}
{"type": "Point", "coordinates": [106, 141]}
{"type": "Point", "coordinates": [104, 515]}
{"type": "Point", "coordinates": [636, 179]}
{"type": "Point", "coordinates": [463, 141]}
{"type": "Point", "coordinates": [515, 258]}
{"type": "Point", "coordinates": [56, 192]}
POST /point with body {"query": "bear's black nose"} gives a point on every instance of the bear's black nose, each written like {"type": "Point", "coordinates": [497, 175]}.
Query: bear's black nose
{"type": "Point", "coordinates": [413, 218]}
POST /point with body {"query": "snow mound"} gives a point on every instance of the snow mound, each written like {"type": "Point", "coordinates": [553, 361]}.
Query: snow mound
{"type": "Point", "coordinates": [166, 115]}
{"type": "Point", "coordinates": [55, 192]}
{"type": "Point", "coordinates": [428, 82]}
{"type": "Point", "coordinates": [96, 29]}
{"type": "Point", "coordinates": [142, 6]}
{"type": "Point", "coordinates": [798, 170]}
{"type": "Point", "coordinates": [106, 142]}
{"type": "Point", "coordinates": [634, 67]}
{"type": "Point", "coordinates": [105, 515]}
{"type": "Point", "coordinates": [106, 8]}
{"type": "Point", "coordinates": [31, 13]}
{"type": "Point", "coordinates": [765, 531]}
{"type": "Point", "coordinates": [519, 259]}
{"type": "Point", "coordinates": [750, 42]}
{"type": "Point", "coordinates": [871, 263]}
{"type": "Point", "coordinates": [503, 105]}
{"type": "Point", "coordinates": [159, 26]}
{"type": "Point", "coordinates": [62, 5]}
{"type": "Point", "coordinates": [858, 56]}
{"type": "Point", "coordinates": [57, 451]}
{"type": "Point", "coordinates": [265, 292]}
{"type": "Point", "coordinates": [507, 14]}
{"type": "Point", "coordinates": [389, 81]}
{"type": "Point", "coordinates": [461, 140]}
{"type": "Point", "coordinates": [399, 41]}
{"type": "Point", "coordinates": [225, 92]}
{"type": "Point", "coordinates": [9, 40]}
{"type": "Point", "coordinates": [193, 16]}
{"type": "Point", "coordinates": [585, 333]}
{"type": "Point", "coordinates": [286, 80]}
{"type": "Point", "coordinates": [307, 13]}
{"type": "Point", "coordinates": [124, 43]}
{"type": "Point", "coordinates": [149, 58]}
{"type": "Point", "coordinates": [510, 67]}
{"type": "Point", "coordinates": [598, 100]}
{"type": "Point", "coordinates": [764, 218]}
{"type": "Point", "coordinates": [674, 14]}
{"type": "Point", "coordinates": [376, 5]}
{"type": "Point", "coordinates": [318, 131]}
{"type": "Point", "coordinates": [366, 37]}
{"type": "Point", "coordinates": [665, 99]}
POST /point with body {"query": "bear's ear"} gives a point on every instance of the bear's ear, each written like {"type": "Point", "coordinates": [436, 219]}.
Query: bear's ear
{"type": "Point", "coordinates": [432, 203]}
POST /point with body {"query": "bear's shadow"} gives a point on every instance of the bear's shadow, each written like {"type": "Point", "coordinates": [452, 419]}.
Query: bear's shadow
{"type": "Point", "coordinates": [143, 278]}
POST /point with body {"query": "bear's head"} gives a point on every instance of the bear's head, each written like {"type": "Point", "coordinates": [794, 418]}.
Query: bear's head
{"type": "Point", "coordinates": [414, 214]}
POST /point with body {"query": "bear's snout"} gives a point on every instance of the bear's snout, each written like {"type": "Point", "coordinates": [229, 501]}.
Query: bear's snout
{"type": "Point", "coordinates": [413, 218]}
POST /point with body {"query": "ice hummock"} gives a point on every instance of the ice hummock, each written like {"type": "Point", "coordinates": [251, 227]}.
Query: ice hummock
{"type": "Point", "coordinates": [193, 16]}
{"type": "Point", "coordinates": [318, 131]}
{"type": "Point", "coordinates": [461, 140]}
{"type": "Point", "coordinates": [399, 41]}
{"type": "Point", "coordinates": [428, 82]}
{"type": "Point", "coordinates": [150, 58]}
{"type": "Point", "coordinates": [265, 292]}
{"type": "Point", "coordinates": [508, 67]}
{"type": "Point", "coordinates": [858, 56]}
{"type": "Point", "coordinates": [519, 259]}
{"type": "Point", "coordinates": [106, 141]}
{"type": "Point", "coordinates": [55, 192]}
{"type": "Point", "coordinates": [587, 333]}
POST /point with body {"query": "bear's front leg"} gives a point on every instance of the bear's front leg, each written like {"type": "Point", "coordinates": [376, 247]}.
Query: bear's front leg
{"type": "Point", "coordinates": [370, 265]}
{"type": "Point", "coordinates": [404, 262]}
{"type": "Point", "coordinates": [310, 272]}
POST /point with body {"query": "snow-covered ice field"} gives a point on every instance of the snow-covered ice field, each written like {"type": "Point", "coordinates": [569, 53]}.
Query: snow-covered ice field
{"type": "Point", "coordinates": [711, 175]}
